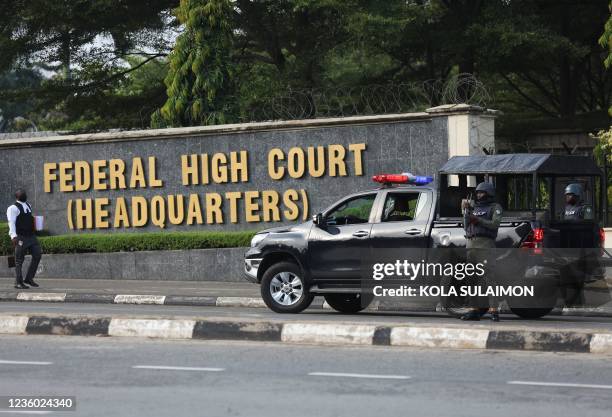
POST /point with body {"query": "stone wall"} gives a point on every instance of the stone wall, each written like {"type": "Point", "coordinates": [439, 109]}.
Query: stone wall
{"type": "Point", "coordinates": [191, 265]}
{"type": "Point", "coordinates": [417, 142]}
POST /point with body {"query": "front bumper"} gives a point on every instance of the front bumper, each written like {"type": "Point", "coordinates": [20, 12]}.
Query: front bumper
{"type": "Point", "coordinates": [251, 265]}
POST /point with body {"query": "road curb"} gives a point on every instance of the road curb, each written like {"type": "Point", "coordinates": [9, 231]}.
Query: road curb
{"type": "Point", "coordinates": [313, 333]}
{"type": "Point", "coordinates": [223, 301]}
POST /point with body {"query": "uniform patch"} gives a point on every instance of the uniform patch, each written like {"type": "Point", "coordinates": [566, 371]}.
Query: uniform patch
{"type": "Point", "coordinates": [498, 211]}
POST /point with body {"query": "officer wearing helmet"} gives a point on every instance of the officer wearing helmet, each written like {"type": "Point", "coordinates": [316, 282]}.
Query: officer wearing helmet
{"type": "Point", "coordinates": [481, 224]}
{"type": "Point", "coordinates": [575, 209]}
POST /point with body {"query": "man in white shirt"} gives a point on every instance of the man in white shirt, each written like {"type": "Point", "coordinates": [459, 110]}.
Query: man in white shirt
{"type": "Point", "coordinates": [22, 233]}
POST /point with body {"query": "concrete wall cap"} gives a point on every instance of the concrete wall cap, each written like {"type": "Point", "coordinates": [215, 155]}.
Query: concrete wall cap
{"type": "Point", "coordinates": [461, 108]}
{"type": "Point", "coordinates": [180, 132]}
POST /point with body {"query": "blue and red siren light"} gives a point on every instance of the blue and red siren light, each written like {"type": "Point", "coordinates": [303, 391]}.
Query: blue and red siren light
{"type": "Point", "coordinates": [405, 178]}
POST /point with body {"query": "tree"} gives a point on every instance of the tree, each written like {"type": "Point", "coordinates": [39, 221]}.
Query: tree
{"type": "Point", "coordinates": [606, 39]}
{"type": "Point", "coordinates": [84, 49]}
{"type": "Point", "coordinates": [200, 79]}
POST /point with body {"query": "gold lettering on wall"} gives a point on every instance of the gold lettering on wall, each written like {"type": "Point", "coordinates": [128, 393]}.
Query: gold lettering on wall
{"type": "Point", "coordinates": [82, 176]}
{"type": "Point", "coordinates": [220, 204]}
{"type": "Point", "coordinates": [49, 175]}
{"type": "Point", "coordinates": [275, 172]}
{"type": "Point", "coordinates": [116, 174]}
{"type": "Point", "coordinates": [65, 169]}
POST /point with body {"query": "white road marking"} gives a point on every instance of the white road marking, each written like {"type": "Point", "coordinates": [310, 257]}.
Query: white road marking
{"type": "Point", "coordinates": [24, 363]}
{"type": "Point", "coordinates": [560, 384]}
{"type": "Point", "coordinates": [178, 368]}
{"type": "Point", "coordinates": [349, 375]}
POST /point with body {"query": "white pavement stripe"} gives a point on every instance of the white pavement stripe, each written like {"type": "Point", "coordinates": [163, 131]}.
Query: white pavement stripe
{"type": "Point", "coordinates": [42, 296]}
{"type": "Point", "coordinates": [600, 343]}
{"type": "Point", "coordinates": [24, 363]}
{"type": "Point", "coordinates": [13, 324]}
{"type": "Point", "coordinates": [439, 337]}
{"type": "Point", "coordinates": [139, 299]}
{"type": "Point", "coordinates": [179, 368]}
{"type": "Point", "coordinates": [559, 384]}
{"type": "Point", "coordinates": [349, 375]}
{"type": "Point", "coordinates": [167, 329]}
{"type": "Point", "coordinates": [328, 334]}
{"type": "Point", "coordinates": [239, 302]}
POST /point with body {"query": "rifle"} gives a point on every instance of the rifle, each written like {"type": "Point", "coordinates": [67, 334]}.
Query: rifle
{"type": "Point", "coordinates": [467, 212]}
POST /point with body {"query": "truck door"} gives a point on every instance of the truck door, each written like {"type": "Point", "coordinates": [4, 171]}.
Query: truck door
{"type": "Point", "coordinates": [402, 221]}
{"type": "Point", "coordinates": [336, 248]}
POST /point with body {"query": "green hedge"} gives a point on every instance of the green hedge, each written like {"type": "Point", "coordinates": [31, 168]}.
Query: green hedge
{"type": "Point", "coordinates": [128, 242]}
{"type": "Point", "coordinates": [5, 241]}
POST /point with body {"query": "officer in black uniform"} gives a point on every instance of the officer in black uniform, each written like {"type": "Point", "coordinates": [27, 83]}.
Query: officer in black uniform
{"type": "Point", "coordinates": [575, 208]}
{"type": "Point", "coordinates": [575, 211]}
{"type": "Point", "coordinates": [482, 223]}
{"type": "Point", "coordinates": [22, 233]}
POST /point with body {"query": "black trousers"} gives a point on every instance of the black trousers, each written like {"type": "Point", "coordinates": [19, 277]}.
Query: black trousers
{"type": "Point", "coordinates": [26, 244]}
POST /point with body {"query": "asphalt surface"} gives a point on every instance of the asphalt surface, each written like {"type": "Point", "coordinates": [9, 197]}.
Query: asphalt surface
{"type": "Point", "coordinates": [138, 377]}
{"type": "Point", "coordinates": [581, 324]}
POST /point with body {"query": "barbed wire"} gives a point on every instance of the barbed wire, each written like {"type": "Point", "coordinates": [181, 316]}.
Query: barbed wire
{"type": "Point", "coordinates": [343, 101]}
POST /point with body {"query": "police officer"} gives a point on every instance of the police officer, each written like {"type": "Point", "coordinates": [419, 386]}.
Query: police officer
{"type": "Point", "coordinates": [21, 231]}
{"type": "Point", "coordinates": [575, 209]}
{"type": "Point", "coordinates": [482, 223]}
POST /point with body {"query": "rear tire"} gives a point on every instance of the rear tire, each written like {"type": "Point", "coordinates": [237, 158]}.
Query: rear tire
{"type": "Point", "coordinates": [283, 288]}
{"type": "Point", "coordinates": [348, 303]}
{"type": "Point", "coordinates": [531, 313]}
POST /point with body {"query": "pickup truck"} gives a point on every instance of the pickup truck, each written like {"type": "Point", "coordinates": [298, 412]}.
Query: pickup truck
{"type": "Point", "coordinates": [324, 256]}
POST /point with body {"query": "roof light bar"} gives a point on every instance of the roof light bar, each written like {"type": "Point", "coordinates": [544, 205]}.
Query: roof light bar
{"type": "Point", "coordinates": [405, 178]}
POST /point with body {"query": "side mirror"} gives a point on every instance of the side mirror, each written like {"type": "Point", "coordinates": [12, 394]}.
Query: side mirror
{"type": "Point", "coordinates": [318, 219]}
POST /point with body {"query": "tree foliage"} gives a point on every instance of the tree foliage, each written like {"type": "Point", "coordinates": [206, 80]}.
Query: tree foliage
{"type": "Point", "coordinates": [540, 59]}
{"type": "Point", "coordinates": [199, 82]}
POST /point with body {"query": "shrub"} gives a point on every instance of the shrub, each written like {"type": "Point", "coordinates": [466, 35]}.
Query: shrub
{"type": "Point", "coordinates": [129, 242]}
{"type": "Point", "coordinates": [5, 241]}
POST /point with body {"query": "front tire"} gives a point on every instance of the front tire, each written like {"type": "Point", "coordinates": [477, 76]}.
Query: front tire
{"type": "Point", "coordinates": [283, 288]}
{"type": "Point", "coordinates": [347, 303]}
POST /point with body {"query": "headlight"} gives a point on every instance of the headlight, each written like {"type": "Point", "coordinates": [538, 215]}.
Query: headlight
{"type": "Point", "coordinates": [258, 238]}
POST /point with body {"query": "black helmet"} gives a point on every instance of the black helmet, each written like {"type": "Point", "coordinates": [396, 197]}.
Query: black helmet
{"type": "Point", "coordinates": [575, 189]}
{"type": "Point", "coordinates": [487, 187]}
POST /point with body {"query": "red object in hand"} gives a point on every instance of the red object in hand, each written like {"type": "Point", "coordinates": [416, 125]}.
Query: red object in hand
{"type": "Point", "coordinates": [474, 219]}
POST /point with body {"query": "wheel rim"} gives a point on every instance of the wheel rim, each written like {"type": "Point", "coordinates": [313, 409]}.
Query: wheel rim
{"type": "Point", "coordinates": [286, 288]}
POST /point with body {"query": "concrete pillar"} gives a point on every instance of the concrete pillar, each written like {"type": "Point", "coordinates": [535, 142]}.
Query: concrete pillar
{"type": "Point", "coordinates": [471, 131]}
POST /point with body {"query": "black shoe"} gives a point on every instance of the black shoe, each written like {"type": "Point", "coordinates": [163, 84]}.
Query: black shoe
{"type": "Point", "coordinates": [21, 287]}
{"type": "Point", "coordinates": [472, 315]}
{"type": "Point", "coordinates": [32, 284]}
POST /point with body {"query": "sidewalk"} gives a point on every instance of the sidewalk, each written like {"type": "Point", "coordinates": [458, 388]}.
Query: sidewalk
{"type": "Point", "coordinates": [153, 287]}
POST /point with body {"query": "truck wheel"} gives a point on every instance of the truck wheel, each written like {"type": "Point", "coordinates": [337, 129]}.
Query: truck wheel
{"type": "Point", "coordinates": [283, 288]}
{"type": "Point", "coordinates": [348, 303]}
{"type": "Point", "coordinates": [531, 313]}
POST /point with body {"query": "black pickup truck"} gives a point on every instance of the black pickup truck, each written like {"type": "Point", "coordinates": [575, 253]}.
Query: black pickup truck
{"type": "Point", "coordinates": [325, 256]}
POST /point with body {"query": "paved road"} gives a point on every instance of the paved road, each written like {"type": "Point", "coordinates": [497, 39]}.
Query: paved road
{"type": "Point", "coordinates": [583, 324]}
{"type": "Point", "coordinates": [121, 377]}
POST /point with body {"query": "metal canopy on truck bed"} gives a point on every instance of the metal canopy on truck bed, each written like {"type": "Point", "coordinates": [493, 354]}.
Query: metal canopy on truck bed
{"type": "Point", "coordinates": [527, 163]}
